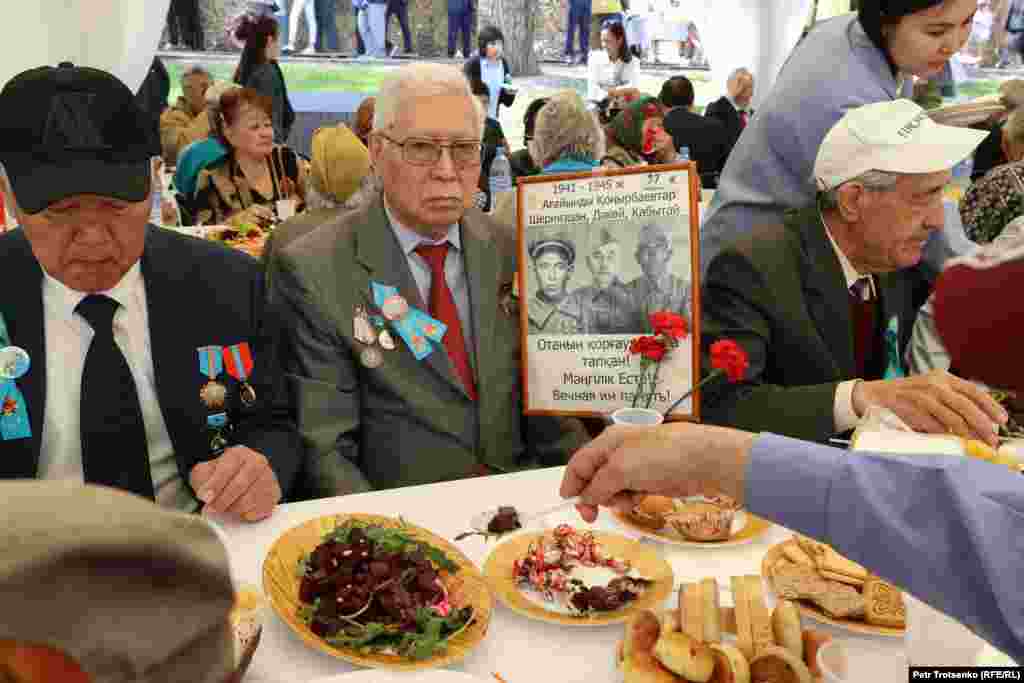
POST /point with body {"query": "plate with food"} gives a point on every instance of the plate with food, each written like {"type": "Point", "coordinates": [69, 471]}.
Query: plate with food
{"type": "Point", "coordinates": [834, 590]}
{"type": "Point", "coordinates": [579, 577]}
{"type": "Point", "coordinates": [495, 523]}
{"type": "Point", "coordinates": [378, 592]}
{"type": "Point", "coordinates": [703, 641]}
{"type": "Point", "coordinates": [435, 676]}
{"type": "Point", "coordinates": [695, 522]}
{"type": "Point", "coordinates": [250, 238]}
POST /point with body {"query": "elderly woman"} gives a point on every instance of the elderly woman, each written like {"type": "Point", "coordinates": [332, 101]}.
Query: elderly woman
{"type": "Point", "coordinates": [243, 187]}
{"type": "Point", "coordinates": [339, 180]}
{"type": "Point", "coordinates": [205, 149]}
{"type": "Point", "coordinates": [997, 198]}
{"type": "Point", "coordinates": [990, 152]}
{"type": "Point", "coordinates": [637, 136]}
{"type": "Point", "coordinates": [566, 139]}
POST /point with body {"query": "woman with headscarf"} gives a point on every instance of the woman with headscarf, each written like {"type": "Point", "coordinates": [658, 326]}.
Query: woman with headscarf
{"type": "Point", "coordinates": [258, 69]}
{"type": "Point", "coordinates": [990, 152]}
{"type": "Point", "coordinates": [877, 53]}
{"type": "Point", "coordinates": [997, 198]}
{"type": "Point", "coordinates": [637, 136]}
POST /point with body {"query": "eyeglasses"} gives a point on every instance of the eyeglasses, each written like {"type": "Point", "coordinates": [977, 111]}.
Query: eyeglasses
{"type": "Point", "coordinates": [422, 152]}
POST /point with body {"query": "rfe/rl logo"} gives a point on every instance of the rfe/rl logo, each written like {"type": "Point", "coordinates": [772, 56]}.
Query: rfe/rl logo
{"type": "Point", "coordinates": [69, 124]}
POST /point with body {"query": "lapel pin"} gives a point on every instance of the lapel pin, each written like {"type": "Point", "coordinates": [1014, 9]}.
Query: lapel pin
{"type": "Point", "coordinates": [395, 307]}
{"type": "Point", "coordinates": [14, 362]}
{"type": "Point", "coordinates": [387, 342]}
{"type": "Point", "coordinates": [362, 330]}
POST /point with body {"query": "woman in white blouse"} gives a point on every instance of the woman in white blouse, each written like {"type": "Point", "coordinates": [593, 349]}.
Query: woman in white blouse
{"type": "Point", "coordinates": [617, 75]}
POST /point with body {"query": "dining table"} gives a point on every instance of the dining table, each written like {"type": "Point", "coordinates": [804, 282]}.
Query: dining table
{"type": "Point", "coordinates": [519, 649]}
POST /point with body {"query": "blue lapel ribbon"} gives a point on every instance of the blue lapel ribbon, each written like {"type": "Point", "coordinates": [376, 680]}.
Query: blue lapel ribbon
{"type": "Point", "coordinates": [894, 366]}
{"type": "Point", "coordinates": [211, 361]}
{"type": "Point", "coordinates": [14, 423]}
{"type": "Point", "coordinates": [416, 328]}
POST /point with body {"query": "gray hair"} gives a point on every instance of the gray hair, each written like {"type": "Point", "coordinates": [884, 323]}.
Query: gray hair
{"type": "Point", "coordinates": [564, 126]}
{"type": "Point", "coordinates": [422, 79]}
{"type": "Point", "coordinates": [1013, 129]}
{"type": "Point", "coordinates": [1011, 93]}
{"type": "Point", "coordinates": [873, 181]}
{"type": "Point", "coordinates": [195, 70]}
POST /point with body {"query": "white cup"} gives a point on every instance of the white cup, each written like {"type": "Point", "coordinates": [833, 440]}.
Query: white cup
{"type": "Point", "coordinates": [647, 417]}
{"type": "Point", "coordinates": [934, 639]}
{"type": "Point", "coordinates": [854, 661]}
{"type": "Point", "coordinates": [285, 209]}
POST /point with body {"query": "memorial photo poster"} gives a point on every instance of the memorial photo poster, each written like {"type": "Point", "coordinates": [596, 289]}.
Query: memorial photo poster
{"type": "Point", "coordinates": [599, 252]}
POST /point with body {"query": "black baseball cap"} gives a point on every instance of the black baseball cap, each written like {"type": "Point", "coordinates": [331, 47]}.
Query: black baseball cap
{"type": "Point", "coordinates": [74, 130]}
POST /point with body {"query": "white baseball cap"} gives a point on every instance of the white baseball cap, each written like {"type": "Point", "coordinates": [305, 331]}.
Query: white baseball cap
{"type": "Point", "coordinates": [896, 136]}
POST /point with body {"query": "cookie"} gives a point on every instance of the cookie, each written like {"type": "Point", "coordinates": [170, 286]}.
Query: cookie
{"type": "Point", "coordinates": [884, 604]}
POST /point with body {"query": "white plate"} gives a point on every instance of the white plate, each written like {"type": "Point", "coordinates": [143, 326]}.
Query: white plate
{"type": "Point", "coordinates": [382, 676]}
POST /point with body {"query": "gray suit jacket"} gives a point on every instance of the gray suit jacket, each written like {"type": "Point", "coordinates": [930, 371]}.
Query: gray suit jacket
{"type": "Point", "coordinates": [406, 422]}
{"type": "Point", "coordinates": [780, 293]}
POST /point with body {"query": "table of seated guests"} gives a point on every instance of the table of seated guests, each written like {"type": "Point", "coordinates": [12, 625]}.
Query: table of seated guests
{"type": "Point", "coordinates": [519, 649]}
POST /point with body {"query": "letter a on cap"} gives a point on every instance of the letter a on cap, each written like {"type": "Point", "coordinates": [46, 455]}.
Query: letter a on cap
{"type": "Point", "coordinates": [70, 124]}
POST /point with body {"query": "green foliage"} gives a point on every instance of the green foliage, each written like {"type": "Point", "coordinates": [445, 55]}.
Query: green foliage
{"type": "Point", "coordinates": [394, 541]}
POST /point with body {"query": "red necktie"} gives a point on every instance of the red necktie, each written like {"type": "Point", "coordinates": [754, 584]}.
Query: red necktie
{"type": "Point", "coordinates": [442, 307]}
{"type": "Point", "coordinates": [863, 312]}
{"type": "Point", "coordinates": [743, 119]}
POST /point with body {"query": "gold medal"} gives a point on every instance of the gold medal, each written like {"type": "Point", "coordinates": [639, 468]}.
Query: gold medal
{"type": "Point", "coordinates": [371, 358]}
{"type": "Point", "coordinates": [247, 394]}
{"type": "Point", "coordinates": [213, 395]}
{"type": "Point", "coordinates": [362, 330]}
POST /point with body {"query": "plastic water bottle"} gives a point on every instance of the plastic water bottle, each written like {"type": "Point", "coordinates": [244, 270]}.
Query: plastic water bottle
{"type": "Point", "coordinates": [156, 216]}
{"type": "Point", "coordinates": [500, 179]}
{"type": "Point", "coordinates": [684, 154]}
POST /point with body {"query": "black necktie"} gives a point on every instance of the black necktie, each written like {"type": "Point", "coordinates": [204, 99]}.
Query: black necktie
{"type": "Point", "coordinates": [114, 451]}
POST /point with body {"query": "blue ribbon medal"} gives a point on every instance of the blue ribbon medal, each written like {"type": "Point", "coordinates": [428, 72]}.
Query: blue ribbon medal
{"type": "Point", "coordinates": [14, 363]}
{"type": "Point", "coordinates": [416, 328]}
{"type": "Point", "coordinates": [893, 367]}
{"type": "Point", "coordinates": [213, 394]}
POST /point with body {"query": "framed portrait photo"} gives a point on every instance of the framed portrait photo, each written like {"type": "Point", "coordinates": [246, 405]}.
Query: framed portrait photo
{"type": "Point", "coordinates": [608, 283]}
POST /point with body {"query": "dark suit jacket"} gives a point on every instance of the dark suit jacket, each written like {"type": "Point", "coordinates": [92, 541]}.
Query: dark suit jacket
{"type": "Point", "coordinates": [268, 80]}
{"type": "Point", "coordinates": [780, 293]}
{"type": "Point", "coordinates": [473, 74]}
{"type": "Point", "coordinates": [723, 111]}
{"type": "Point", "coordinates": [707, 139]}
{"type": "Point", "coordinates": [198, 293]}
{"type": "Point", "coordinates": [406, 422]}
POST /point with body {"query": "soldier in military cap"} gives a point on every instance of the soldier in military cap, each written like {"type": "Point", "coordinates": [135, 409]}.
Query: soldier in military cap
{"type": "Point", "coordinates": [658, 289]}
{"type": "Point", "coordinates": [551, 310]}
{"type": "Point", "coordinates": [607, 303]}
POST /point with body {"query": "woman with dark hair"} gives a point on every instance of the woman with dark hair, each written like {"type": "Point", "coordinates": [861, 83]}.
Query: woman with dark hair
{"type": "Point", "coordinates": [244, 186]}
{"type": "Point", "coordinates": [844, 62]}
{"type": "Point", "coordinates": [490, 68]}
{"type": "Point", "coordinates": [258, 69]}
{"type": "Point", "coordinates": [615, 75]}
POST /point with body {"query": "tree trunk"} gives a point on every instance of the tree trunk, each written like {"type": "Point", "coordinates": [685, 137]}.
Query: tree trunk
{"type": "Point", "coordinates": [515, 18]}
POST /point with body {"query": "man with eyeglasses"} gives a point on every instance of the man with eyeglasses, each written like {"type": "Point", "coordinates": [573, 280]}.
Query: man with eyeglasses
{"type": "Point", "coordinates": [403, 344]}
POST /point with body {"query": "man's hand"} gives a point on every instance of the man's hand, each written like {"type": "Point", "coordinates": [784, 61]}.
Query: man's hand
{"type": "Point", "coordinates": [936, 402]}
{"type": "Point", "coordinates": [676, 460]}
{"type": "Point", "coordinates": [239, 483]}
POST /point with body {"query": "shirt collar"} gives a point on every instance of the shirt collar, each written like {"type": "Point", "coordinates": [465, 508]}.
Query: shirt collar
{"type": "Point", "coordinates": [849, 272]}
{"type": "Point", "coordinates": [733, 103]}
{"type": "Point", "coordinates": [409, 239]}
{"type": "Point", "coordinates": [67, 299]}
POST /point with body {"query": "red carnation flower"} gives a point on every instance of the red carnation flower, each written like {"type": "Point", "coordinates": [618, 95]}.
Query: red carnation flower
{"type": "Point", "coordinates": [730, 358]}
{"type": "Point", "coordinates": [651, 348]}
{"type": "Point", "coordinates": [670, 324]}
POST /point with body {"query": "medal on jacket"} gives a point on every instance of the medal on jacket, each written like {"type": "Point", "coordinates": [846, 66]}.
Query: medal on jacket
{"type": "Point", "coordinates": [217, 424]}
{"type": "Point", "coordinates": [14, 363]}
{"type": "Point", "coordinates": [238, 360]}
{"type": "Point", "coordinates": [362, 330]}
{"type": "Point", "coordinates": [371, 357]}
{"type": "Point", "coordinates": [211, 364]}
{"type": "Point", "coordinates": [893, 365]}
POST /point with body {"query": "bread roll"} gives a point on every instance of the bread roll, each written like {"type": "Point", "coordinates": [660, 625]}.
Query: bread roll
{"type": "Point", "coordinates": [778, 665]}
{"type": "Point", "coordinates": [760, 618]}
{"type": "Point", "coordinates": [730, 664]}
{"type": "Point", "coordinates": [642, 631]}
{"type": "Point", "coordinates": [712, 623]}
{"type": "Point", "coordinates": [693, 611]}
{"type": "Point", "coordinates": [685, 656]}
{"type": "Point", "coordinates": [651, 511]}
{"type": "Point", "coordinates": [786, 627]}
{"type": "Point", "coordinates": [644, 667]}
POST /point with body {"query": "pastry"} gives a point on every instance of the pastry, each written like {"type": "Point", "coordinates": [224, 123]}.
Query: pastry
{"type": "Point", "coordinates": [778, 665]}
{"type": "Point", "coordinates": [760, 617]}
{"type": "Point", "coordinates": [744, 634]}
{"type": "Point", "coordinates": [786, 627]}
{"type": "Point", "coordinates": [840, 601]}
{"type": "Point", "coordinates": [836, 565]}
{"type": "Point", "coordinates": [703, 521]}
{"type": "Point", "coordinates": [884, 604]}
{"type": "Point", "coordinates": [730, 664]}
{"type": "Point", "coordinates": [796, 582]}
{"type": "Point", "coordinates": [644, 667]}
{"type": "Point", "coordinates": [712, 614]}
{"type": "Point", "coordinates": [685, 656]}
{"type": "Point", "coordinates": [642, 631]}
{"type": "Point", "coordinates": [856, 582]}
{"type": "Point", "coordinates": [797, 554]}
{"type": "Point", "coordinates": [651, 511]}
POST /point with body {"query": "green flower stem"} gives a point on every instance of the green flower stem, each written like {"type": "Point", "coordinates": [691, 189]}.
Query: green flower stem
{"type": "Point", "coordinates": [714, 374]}
{"type": "Point", "coordinates": [654, 384]}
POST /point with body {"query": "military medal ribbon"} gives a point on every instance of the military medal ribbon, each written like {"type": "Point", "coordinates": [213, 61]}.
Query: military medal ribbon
{"type": "Point", "coordinates": [238, 360]}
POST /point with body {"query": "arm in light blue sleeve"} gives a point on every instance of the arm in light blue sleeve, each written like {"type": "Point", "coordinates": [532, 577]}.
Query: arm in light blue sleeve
{"type": "Point", "coordinates": [948, 530]}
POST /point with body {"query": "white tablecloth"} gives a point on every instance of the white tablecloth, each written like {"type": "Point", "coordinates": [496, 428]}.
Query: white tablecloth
{"type": "Point", "coordinates": [520, 649]}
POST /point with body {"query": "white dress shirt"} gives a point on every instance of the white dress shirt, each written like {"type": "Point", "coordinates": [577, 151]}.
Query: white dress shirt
{"type": "Point", "coordinates": [67, 341]}
{"type": "Point", "coordinates": [454, 272]}
{"type": "Point", "coordinates": [845, 416]}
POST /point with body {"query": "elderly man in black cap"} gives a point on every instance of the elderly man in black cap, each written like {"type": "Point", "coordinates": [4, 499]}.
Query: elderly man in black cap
{"type": "Point", "coordinates": [607, 303]}
{"type": "Point", "coordinates": [137, 358]}
{"type": "Point", "coordinates": [551, 309]}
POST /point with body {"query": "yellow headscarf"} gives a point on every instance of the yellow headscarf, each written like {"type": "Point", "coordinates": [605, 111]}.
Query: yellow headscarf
{"type": "Point", "coordinates": [340, 162]}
